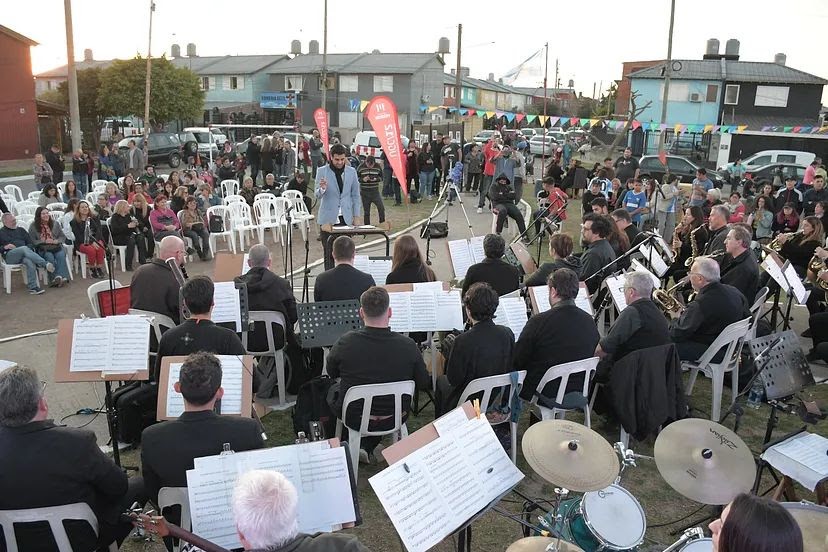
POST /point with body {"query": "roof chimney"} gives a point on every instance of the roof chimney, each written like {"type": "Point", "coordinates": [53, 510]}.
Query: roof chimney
{"type": "Point", "coordinates": [375, 51]}
{"type": "Point", "coordinates": [711, 51]}
{"type": "Point", "coordinates": [464, 72]}
{"type": "Point", "coordinates": [443, 46]}
{"type": "Point", "coordinates": [491, 77]}
{"type": "Point", "coordinates": [87, 55]}
{"type": "Point", "coordinates": [295, 47]}
{"type": "Point", "coordinates": [780, 59]}
{"type": "Point", "coordinates": [313, 47]}
{"type": "Point", "coordinates": [191, 50]}
{"type": "Point", "coordinates": [175, 51]}
{"type": "Point", "coordinates": [732, 49]}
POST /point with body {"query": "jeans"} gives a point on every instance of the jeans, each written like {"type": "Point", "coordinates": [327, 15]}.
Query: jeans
{"type": "Point", "coordinates": [395, 185]}
{"type": "Point", "coordinates": [484, 189]}
{"type": "Point", "coordinates": [80, 183]}
{"type": "Point", "coordinates": [31, 260]}
{"type": "Point", "coordinates": [518, 188]}
{"type": "Point", "coordinates": [510, 210]}
{"type": "Point", "coordinates": [386, 183]}
{"type": "Point", "coordinates": [254, 172]}
{"type": "Point", "coordinates": [372, 196]}
{"type": "Point", "coordinates": [666, 224]}
{"type": "Point", "coordinates": [316, 162]}
{"type": "Point", "coordinates": [57, 258]}
{"type": "Point", "coordinates": [204, 249]}
{"type": "Point", "coordinates": [473, 182]}
{"type": "Point", "coordinates": [426, 181]}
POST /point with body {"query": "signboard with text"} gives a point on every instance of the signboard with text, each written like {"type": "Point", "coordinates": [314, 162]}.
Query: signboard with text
{"type": "Point", "coordinates": [278, 100]}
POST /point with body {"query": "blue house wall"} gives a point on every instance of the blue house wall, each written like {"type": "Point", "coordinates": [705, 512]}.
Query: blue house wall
{"type": "Point", "coordinates": [684, 111]}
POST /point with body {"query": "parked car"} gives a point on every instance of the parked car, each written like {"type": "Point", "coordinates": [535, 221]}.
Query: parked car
{"type": "Point", "coordinates": [164, 147]}
{"type": "Point", "coordinates": [219, 136]}
{"type": "Point", "coordinates": [206, 140]}
{"type": "Point", "coordinates": [483, 136]}
{"type": "Point", "coordinates": [781, 170]}
{"type": "Point", "coordinates": [366, 143]}
{"type": "Point", "coordinates": [685, 147]}
{"type": "Point", "coordinates": [536, 146]}
{"type": "Point", "coordinates": [529, 132]}
{"type": "Point", "coordinates": [651, 166]}
{"type": "Point", "coordinates": [767, 157]}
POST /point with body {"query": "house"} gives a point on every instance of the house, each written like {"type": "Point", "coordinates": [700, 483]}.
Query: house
{"type": "Point", "coordinates": [51, 79]}
{"type": "Point", "coordinates": [409, 79]}
{"type": "Point", "coordinates": [624, 85]}
{"type": "Point", "coordinates": [18, 118]}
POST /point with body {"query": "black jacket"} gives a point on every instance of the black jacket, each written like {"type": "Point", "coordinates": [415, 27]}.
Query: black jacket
{"type": "Point", "coordinates": [715, 240]}
{"type": "Point", "coordinates": [43, 464]}
{"type": "Point", "coordinates": [341, 283]}
{"type": "Point", "coordinates": [119, 229]}
{"type": "Point", "coordinates": [647, 390]}
{"type": "Point", "coordinates": [541, 275]}
{"type": "Point", "coordinates": [252, 153]}
{"type": "Point", "coordinates": [17, 236]}
{"type": "Point", "coordinates": [562, 334]}
{"type": "Point", "coordinates": [742, 272]}
{"type": "Point", "coordinates": [154, 288]}
{"type": "Point", "coordinates": [197, 335]}
{"type": "Point", "coordinates": [55, 160]}
{"type": "Point", "coordinates": [597, 255]}
{"type": "Point", "coordinates": [410, 272]}
{"type": "Point", "coordinates": [81, 235]}
{"type": "Point", "coordinates": [715, 307]}
{"type": "Point", "coordinates": [168, 448]}
{"type": "Point", "coordinates": [501, 193]}
{"type": "Point", "coordinates": [811, 198]}
{"type": "Point", "coordinates": [268, 292]}
{"type": "Point", "coordinates": [499, 274]}
{"type": "Point", "coordinates": [485, 350]}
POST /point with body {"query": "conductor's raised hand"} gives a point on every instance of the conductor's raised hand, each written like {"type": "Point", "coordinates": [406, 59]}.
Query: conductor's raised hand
{"type": "Point", "coordinates": [323, 184]}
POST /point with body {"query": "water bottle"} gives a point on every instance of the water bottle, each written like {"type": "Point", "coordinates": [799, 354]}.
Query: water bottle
{"type": "Point", "coordinates": [757, 394]}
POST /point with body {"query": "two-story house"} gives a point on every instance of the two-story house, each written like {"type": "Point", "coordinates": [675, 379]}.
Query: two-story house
{"type": "Point", "coordinates": [18, 117]}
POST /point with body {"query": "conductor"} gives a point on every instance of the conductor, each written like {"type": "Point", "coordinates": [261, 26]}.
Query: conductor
{"type": "Point", "coordinates": [337, 188]}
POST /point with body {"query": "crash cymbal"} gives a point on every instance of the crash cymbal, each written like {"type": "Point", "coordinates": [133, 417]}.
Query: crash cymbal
{"type": "Point", "coordinates": [704, 461]}
{"type": "Point", "coordinates": [570, 455]}
{"type": "Point", "coordinates": [539, 544]}
{"type": "Point", "coordinates": [813, 521]}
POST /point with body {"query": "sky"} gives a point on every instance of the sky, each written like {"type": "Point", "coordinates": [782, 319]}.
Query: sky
{"type": "Point", "coordinates": [590, 39]}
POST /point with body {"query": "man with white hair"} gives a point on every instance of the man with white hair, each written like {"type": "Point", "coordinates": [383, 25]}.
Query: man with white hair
{"type": "Point", "coordinates": [739, 266]}
{"type": "Point", "coordinates": [717, 223]}
{"type": "Point", "coordinates": [639, 326]}
{"type": "Point", "coordinates": [154, 287]}
{"type": "Point", "coordinates": [265, 509]}
{"type": "Point", "coordinates": [715, 307]}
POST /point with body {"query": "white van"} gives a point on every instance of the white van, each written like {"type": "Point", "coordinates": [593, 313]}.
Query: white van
{"type": "Point", "coordinates": [206, 140]}
{"type": "Point", "coordinates": [769, 157]}
{"type": "Point", "coordinates": [366, 143]}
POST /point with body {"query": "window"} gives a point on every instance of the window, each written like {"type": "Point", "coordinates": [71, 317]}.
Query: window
{"type": "Point", "coordinates": [760, 161]}
{"type": "Point", "coordinates": [771, 96]}
{"type": "Point", "coordinates": [348, 119]}
{"type": "Point", "coordinates": [679, 92]}
{"type": "Point", "coordinates": [205, 83]}
{"type": "Point", "coordinates": [373, 142]}
{"type": "Point", "coordinates": [783, 158]}
{"type": "Point", "coordinates": [234, 83]}
{"type": "Point", "coordinates": [383, 83]}
{"type": "Point", "coordinates": [731, 94]}
{"type": "Point", "coordinates": [293, 82]}
{"type": "Point", "coordinates": [449, 91]}
{"type": "Point", "coordinates": [712, 93]}
{"type": "Point", "coordinates": [679, 166]}
{"type": "Point", "coordinates": [348, 83]}
{"type": "Point", "coordinates": [651, 163]}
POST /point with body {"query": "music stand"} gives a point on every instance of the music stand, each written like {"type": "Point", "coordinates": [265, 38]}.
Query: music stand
{"type": "Point", "coordinates": [322, 323]}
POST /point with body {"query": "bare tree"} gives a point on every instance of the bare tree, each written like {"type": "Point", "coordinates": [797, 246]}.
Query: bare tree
{"type": "Point", "coordinates": [634, 112]}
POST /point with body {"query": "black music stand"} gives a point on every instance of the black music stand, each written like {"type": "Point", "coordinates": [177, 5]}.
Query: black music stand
{"type": "Point", "coordinates": [337, 231]}
{"type": "Point", "coordinates": [322, 323]}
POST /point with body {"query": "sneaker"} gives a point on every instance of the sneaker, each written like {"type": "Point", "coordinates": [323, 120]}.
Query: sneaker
{"type": "Point", "coordinates": [57, 282]}
{"type": "Point", "coordinates": [36, 291]}
{"type": "Point", "coordinates": [806, 333]}
{"type": "Point", "coordinates": [61, 281]}
{"type": "Point", "coordinates": [366, 457]}
{"type": "Point", "coordinates": [50, 268]}
{"type": "Point", "coordinates": [480, 210]}
{"type": "Point", "coordinates": [190, 251]}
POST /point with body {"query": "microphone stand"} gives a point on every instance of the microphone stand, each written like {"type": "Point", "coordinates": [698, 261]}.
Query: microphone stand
{"type": "Point", "coordinates": [627, 254]}
{"type": "Point", "coordinates": [539, 236]}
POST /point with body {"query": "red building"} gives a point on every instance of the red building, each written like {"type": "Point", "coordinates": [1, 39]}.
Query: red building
{"type": "Point", "coordinates": [622, 99]}
{"type": "Point", "coordinates": [18, 111]}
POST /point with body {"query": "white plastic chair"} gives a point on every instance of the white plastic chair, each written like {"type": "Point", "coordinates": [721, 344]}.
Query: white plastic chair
{"type": "Point", "coordinates": [157, 322]}
{"type": "Point", "coordinates": [82, 262]}
{"type": "Point", "coordinates": [33, 196]}
{"type": "Point", "coordinates": [299, 213]}
{"type": "Point", "coordinates": [15, 192]}
{"type": "Point", "coordinates": [227, 234]}
{"type": "Point", "coordinates": [176, 496]}
{"type": "Point", "coordinates": [269, 318]}
{"type": "Point", "coordinates": [56, 206]}
{"type": "Point", "coordinates": [731, 339]}
{"type": "Point", "coordinates": [264, 195]}
{"type": "Point", "coordinates": [563, 372]}
{"type": "Point", "coordinates": [266, 212]}
{"type": "Point", "coordinates": [367, 393]}
{"type": "Point", "coordinates": [242, 220]}
{"type": "Point", "coordinates": [487, 386]}
{"type": "Point", "coordinates": [24, 208]}
{"type": "Point", "coordinates": [165, 177]}
{"type": "Point", "coordinates": [93, 290]}
{"type": "Point", "coordinates": [229, 187]}
{"type": "Point", "coordinates": [24, 221]}
{"type": "Point", "coordinates": [92, 198]}
{"type": "Point", "coordinates": [54, 215]}
{"type": "Point", "coordinates": [756, 312]}
{"type": "Point", "coordinates": [233, 199]}
{"type": "Point", "coordinates": [7, 272]}
{"type": "Point", "coordinates": [54, 516]}
{"type": "Point", "coordinates": [97, 185]}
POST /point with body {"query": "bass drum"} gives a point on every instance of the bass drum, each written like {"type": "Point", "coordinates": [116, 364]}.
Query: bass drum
{"type": "Point", "coordinates": [813, 521]}
{"type": "Point", "coordinates": [699, 545]}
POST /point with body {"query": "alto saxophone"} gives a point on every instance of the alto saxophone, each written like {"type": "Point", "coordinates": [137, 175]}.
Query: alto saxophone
{"type": "Point", "coordinates": [694, 247]}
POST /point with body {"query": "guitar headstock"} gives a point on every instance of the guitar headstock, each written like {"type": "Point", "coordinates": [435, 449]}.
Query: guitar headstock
{"type": "Point", "coordinates": [151, 524]}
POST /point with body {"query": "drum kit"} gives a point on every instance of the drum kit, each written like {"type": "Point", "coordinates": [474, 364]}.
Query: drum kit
{"type": "Point", "coordinates": [700, 459]}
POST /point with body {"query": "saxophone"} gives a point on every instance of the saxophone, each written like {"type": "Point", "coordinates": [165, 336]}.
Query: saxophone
{"type": "Point", "coordinates": [694, 247]}
{"type": "Point", "coordinates": [667, 299]}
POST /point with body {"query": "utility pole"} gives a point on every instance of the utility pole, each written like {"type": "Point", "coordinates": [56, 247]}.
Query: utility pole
{"type": "Point", "coordinates": [148, 84]}
{"type": "Point", "coordinates": [325, 61]}
{"type": "Point", "coordinates": [668, 67]}
{"type": "Point", "coordinates": [74, 110]}
{"type": "Point", "coordinates": [557, 80]}
{"type": "Point", "coordinates": [545, 119]}
{"type": "Point", "coordinates": [457, 78]}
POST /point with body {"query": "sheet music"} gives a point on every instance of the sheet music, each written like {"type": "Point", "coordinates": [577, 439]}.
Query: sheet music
{"type": "Point", "coordinates": [400, 311]}
{"type": "Point", "coordinates": [319, 473]}
{"type": "Point", "coordinates": [378, 268]}
{"type": "Point", "coordinates": [583, 301]}
{"type": "Point", "coordinates": [638, 266]}
{"type": "Point", "coordinates": [115, 344]}
{"type": "Point", "coordinates": [449, 311]}
{"type": "Point", "coordinates": [802, 457]}
{"type": "Point", "coordinates": [226, 304]}
{"type": "Point", "coordinates": [232, 371]}
{"type": "Point", "coordinates": [422, 311]}
{"type": "Point", "coordinates": [615, 285]}
{"type": "Point", "coordinates": [493, 466]}
{"type": "Point", "coordinates": [245, 268]}
{"type": "Point", "coordinates": [476, 248]}
{"type": "Point", "coordinates": [428, 287]}
{"type": "Point", "coordinates": [511, 312]}
{"type": "Point", "coordinates": [799, 291]}
{"type": "Point", "coordinates": [461, 257]}
{"type": "Point", "coordinates": [541, 295]}
{"type": "Point", "coordinates": [775, 271]}
{"type": "Point", "coordinates": [425, 312]}
{"type": "Point", "coordinates": [658, 264]}
{"type": "Point", "coordinates": [175, 401]}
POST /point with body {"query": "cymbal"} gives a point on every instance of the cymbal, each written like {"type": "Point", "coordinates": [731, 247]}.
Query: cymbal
{"type": "Point", "coordinates": [539, 544]}
{"type": "Point", "coordinates": [813, 521]}
{"type": "Point", "coordinates": [570, 455]}
{"type": "Point", "coordinates": [704, 461]}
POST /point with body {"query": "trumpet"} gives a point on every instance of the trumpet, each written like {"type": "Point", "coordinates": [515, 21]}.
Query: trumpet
{"type": "Point", "coordinates": [667, 300]}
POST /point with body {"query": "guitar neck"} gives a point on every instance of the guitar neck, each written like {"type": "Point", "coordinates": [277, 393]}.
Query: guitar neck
{"type": "Point", "coordinates": [207, 546]}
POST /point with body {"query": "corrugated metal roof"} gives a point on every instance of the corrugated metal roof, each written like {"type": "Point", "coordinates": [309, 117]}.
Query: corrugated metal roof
{"type": "Point", "coordinates": [757, 122]}
{"type": "Point", "coordinates": [196, 64]}
{"type": "Point", "coordinates": [736, 71]}
{"type": "Point", "coordinates": [239, 65]}
{"type": "Point", "coordinates": [63, 70]}
{"type": "Point", "coordinates": [355, 63]}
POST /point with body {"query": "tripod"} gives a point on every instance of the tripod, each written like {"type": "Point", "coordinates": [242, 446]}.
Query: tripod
{"type": "Point", "coordinates": [545, 224]}
{"type": "Point", "coordinates": [446, 190]}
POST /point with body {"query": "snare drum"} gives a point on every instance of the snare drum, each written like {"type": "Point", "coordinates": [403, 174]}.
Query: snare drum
{"type": "Point", "coordinates": [609, 519]}
{"type": "Point", "coordinates": [813, 521]}
{"type": "Point", "coordinates": [699, 545]}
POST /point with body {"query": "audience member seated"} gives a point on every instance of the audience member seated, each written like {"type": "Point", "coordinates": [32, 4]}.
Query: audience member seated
{"type": "Point", "coordinates": [249, 191]}
{"type": "Point", "coordinates": [551, 204]}
{"type": "Point", "coordinates": [206, 199]}
{"type": "Point", "coordinates": [640, 326]}
{"type": "Point", "coordinates": [17, 248]}
{"type": "Point", "coordinates": [484, 350]}
{"type": "Point", "coordinates": [123, 228]}
{"type": "Point", "coordinates": [717, 227]}
{"type": "Point", "coordinates": [193, 227]}
{"type": "Point", "coordinates": [198, 333]}
{"type": "Point", "coordinates": [300, 184]}
{"type": "Point", "coordinates": [49, 194]}
{"type": "Point", "coordinates": [43, 464]}
{"type": "Point", "coordinates": [370, 355]}
{"type": "Point", "coordinates": [168, 448]}
{"type": "Point", "coordinates": [265, 509]}
{"type": "Point", "coordinates": [624, 222]}
{"type": "Point", "coordinates": [739, 267]}
{"type": "Point", "coordinates": [560, 250]}
{"type": "Point", "coordinates": [71, 191]}
{"type": "Point", "coordinates": [89, 238]}
{"type": "Point", "coordinates": [600, 206]}
{"type": "Point", "coordinates": [599, 253]}
{"type": "Point", "coordinates": [755, 524]}
{"type": "Point", "coordinates": [103, 210]}
{"type": "Point", "coordinates": [154, 287]}
{"type": "Point", "coordinates": [562, 334]}
{"type": "Point", "coordinates": [493, 270]}
{"type": "Point", "coordinates": [504, 200]}
{"type": "Point", "coordinates": [47, 241]}
{"type": "Point", "coordinates": [716, 306]}
{"type": "Point", "coordinates": [163, 220]}
{"type": "Point", "coordinates": [138, 189]}
{"type": "Point", "coordinates": [179, 199]}
{"type": "Point", "coordinates": [343, 281]}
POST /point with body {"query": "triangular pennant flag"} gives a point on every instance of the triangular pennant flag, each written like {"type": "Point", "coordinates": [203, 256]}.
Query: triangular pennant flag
{"type": "Point", "coordinates": [472, 112]}
{"type": "Point", "coordinates": [797, 128]}
{"type": "Point", "coordinates": [481, 114]}
{"type": "Point", "coordinates": [716, 128]}
{"type": "Point", "coordinates": [509, 116]}
{"type": "Point", "coordinates": [593, 122]}
{"type": "Point", "coordinates": [353, 104]}
{"type": "Point", "coordinates": [499, 114]}
{"type": "Point", "coordinates": [766, 128]}
{"type": "Point", "coordinates": [678, 128]}
{"type": "Point", "coordinates": [574, 121]}
{"type": "Point", "coordinates": [423, 108]}
{"type": "Point", "coordinates": [636, 125]}
{"type": "Point", "coordinates": [531, 118]}
{"type": "Point", "coordinates": [543, 119]}
{"type": "Point", "coordinates": [490, 114]}
{"type": "Point", "coordinates": [806, 130]}
{"type": "Point", "coordinates": [451, 109]}
{"type": "Point", "coordinates": [553, 121]}
{"type": "Point", "coordinates": [707, 128]}
{"type": "Point", "coordinates": [433, 108]}
{"type": "Point", "coordinates": [740, 128]}
{"type": "Point", "coordinates": [787, 129]}
{"type": "Point", "coordinates": [653, 126]}
{"type": "Point", "coordinates": [619, 125]}
{"type": "Point", "coordinates": [564, 120]}
{"type": "Point", "coordinates": [363, 104]}
{"type": "Point", "coordinates": [662, 127]}
{"type": "Point", "coordinates": [464, 111]}
{"type": "Point", "coordinates": [520, 117]}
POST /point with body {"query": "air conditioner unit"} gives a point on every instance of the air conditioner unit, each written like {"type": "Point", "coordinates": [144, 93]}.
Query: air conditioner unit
{"type": "Point", "coordinates": [695, 98]}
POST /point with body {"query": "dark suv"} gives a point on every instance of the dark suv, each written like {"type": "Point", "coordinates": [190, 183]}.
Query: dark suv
{"type": "Point", "coordinates": [684, 168]}
{"type": "Point", "coordinates": [165, 147]}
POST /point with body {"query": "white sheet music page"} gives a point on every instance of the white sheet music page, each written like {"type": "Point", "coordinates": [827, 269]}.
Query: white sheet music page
{"type": "Point", "coordinates": [799, 291]}
{"type": "Point", "coordinates": [582, 300]}
{"type": "Point", "coordinates": [476, 247]}
{"type": "Point", "coordinates": [775, 272]}
{"type": "Point", "coordinates": [130, 344]}
{"type": "Point", "coordinates": [361, 264]}
{"type": "Point", "coordinates": [400, 303]}
{"type": "Point", "coordinates": [226, 304]}
{"type": "Point", "coordinates": [494, 469]}
{"type": "Point", "coordinates": [379, 270]}
{"type": "Point", "coordinates": [615, 285]}
{"type": "Point", "coordinates": [175, 401]}
{"type": "Point", "coordinates": [803, 457]}
{"type": "Point", "coordinates": [423, 311]}
{"type": "Point", "coordinates": [636, 265]}
{"type": "Point", "coordinates": [449, 311]}
{"type": "Point", "coordinates": [541, 295]}
{"type": "Point", "coordinates": [654, 256]}
{"type": "Point", "coordinates": [210, 492]}
{"type": "Point", "coordinates": [91, 345]}
{"type": "Point", "coordinates": [461, 257]}
{"type": "Point", "coordinates": [232, 371]}
{"type": "Point", "coordinates": [427, 287]}
{"type": "Point", "coordinates": [511, 312]}
{"type": "Point", "coordinates": [245, 267]}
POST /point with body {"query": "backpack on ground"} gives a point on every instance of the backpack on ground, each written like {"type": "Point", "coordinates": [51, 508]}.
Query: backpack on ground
{"type": "Point", "coordinates": [312, 406]}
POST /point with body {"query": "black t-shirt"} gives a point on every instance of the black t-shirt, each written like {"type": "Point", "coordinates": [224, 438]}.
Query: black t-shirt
{"type": "Point", "coordinates": [625, 168]}
{"type": "Point", "coordinates": [450, 151]}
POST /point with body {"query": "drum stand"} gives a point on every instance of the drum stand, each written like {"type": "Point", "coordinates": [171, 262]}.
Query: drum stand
{"type": "Point", "coordinates": [689, 535]}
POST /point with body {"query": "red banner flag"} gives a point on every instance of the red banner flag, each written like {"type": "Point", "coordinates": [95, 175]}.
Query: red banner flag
{"type": "Point", "coordinates": [382, 114]}
{"type": "Point", "coordinates": [320, 117]}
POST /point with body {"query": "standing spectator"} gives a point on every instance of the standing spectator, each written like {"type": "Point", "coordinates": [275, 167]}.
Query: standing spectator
{"type": "Point", "coordinates": [412, 167]}
{"type": "Point", "coordinates": [192, 224]}
{"type": "Point", "coordinates": [304, 155]}
{"type": "Point", "coordinates": [17, 248]}
{"type": "Point", "coordinates": [490, 153]}
{"type": "Point", "coordinates": [436, 147]}
{"type": "Point", "coordinates": [425, 161]}
{"type": "Point", "coordinates": [520, 170]}
{"type": "Point", "coordinates": [134, 162]}
{"type": "Point", "coordinates": [253, 155]}
{"type": "Point", "coordinates": [88, 238]}
{"type": "Point", "coordinates": [105, 169]}
{"type": "Point", "coordinates": [737, 172]}
{"type": "Point", "coordinates": [635, 202]}
{"type": "Point", "coordinates": [315, 148]}
{"type": "Point", "coordinates": [626, 166]}
{"type": "Point", "coordinates": [810, 173]}
{"type": "Point", "coordinates": [288, 160]}
{"type": "Point", "coordinates": [240, 167]}
{"type": "Point", "coordinates": [387, 173]}
{"type": "Point", "coordinates": [90, 169]}
{"type": "Point", "coordinates": [278, 155]}
{"type": "Point", "coordinates": [266, 156]}
{"type": "Point", "coordinates": [227, 151]}
{"type": "Point", "coordinates": [42, 171]}
{"type": "Point", "coordinates": [55, 160]}
{"type": "Point", "coordinates": [449, 155]}
{"type": "Point", "coordinates": [474, 164]}
{"type": "Point", "coordinates": [609, 169]}
{"type": "Point", "coordinates": [79, 168]}
{"type": "Point", "coordinates": [668, 205]}
{"type": "Point", "coordinates": [369, 175]}
{"type": "Point", "coordinates": [48, 239]}
{"type": "Point", "coordinates": [71, 191]}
